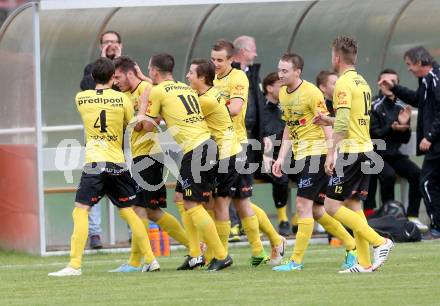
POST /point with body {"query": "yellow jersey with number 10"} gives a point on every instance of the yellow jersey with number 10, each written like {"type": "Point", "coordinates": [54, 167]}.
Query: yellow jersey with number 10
{"type": "Point", "coordinates": [235, 85]}
{"type": "Point", "coordinates": [141, 144]}
{"type": "Point", "coordinates": [105, 114]}
{"type": "Point", "coordinates": [299, 107]}
{"type": "Point", "coordinates": [179, 106]}
{"type": "Point", "coordinates": [353, 92]}
{"type": "Point", "coordinates": [219, 123]}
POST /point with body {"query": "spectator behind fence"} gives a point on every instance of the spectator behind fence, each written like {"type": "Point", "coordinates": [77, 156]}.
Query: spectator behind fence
{"type": "Point", "coordinates": [427, 98]}
{"type": "Point", "coordinates": [325, 81]}
{"type": "Point", "coordinates": [273, 127]}
{"type": "Point", "coordinates": [390, 121]}
{"type": "Point", "coordinates": [111, 48]}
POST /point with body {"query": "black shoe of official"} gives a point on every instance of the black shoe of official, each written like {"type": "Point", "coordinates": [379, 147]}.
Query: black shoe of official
{"type": "Point", "coordinates": [284, 228]}
{"type": "Point", "coordinates": [219, 264]}
{"type": "Point", "coordinates": [294, 229]}
{"type": "Point", "coordinates": [192, 262]}
{"type": "Point", "coordinates": [95, 242]}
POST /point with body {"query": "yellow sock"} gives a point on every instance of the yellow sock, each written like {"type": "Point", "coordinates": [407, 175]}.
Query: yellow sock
{"type": "Point", "coordinates": [135, 254]}
{"type": "Point", "coordinates": [358, 225]}
{"type": "Point", "coordinates": [223, 230]}
{"type": "Point", "coordinates": [282, 214]}
{"type": "Point", "coordinates": [250, 227]}
{"type": "Point", "coordinates": [362, 246]}
{"type": "Point", "coordinates": [79, 236]}
{"type": "Point", "coordinates": [334, 227]}
{"type": "Point", "coordinates": [139, 237]}
{"type": "Point", "coordinates": [169, 224]}
{"type": "Point", "coordinates": [190, 230]}
{"type": "Point", "coordinates": [206, 227]}
{"type": "Point", "coordinates": [294, 220]}
{"type": "Point", "coordinates": [209, 254]}
{"type": "Point", "coordinates": [305, 230]}
{"type": "Point", "coordinates": [266, 226]}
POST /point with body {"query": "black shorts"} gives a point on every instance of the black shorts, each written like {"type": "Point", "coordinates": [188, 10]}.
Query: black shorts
{"type": "Point", "coordinates": [242, 188]}
{"type": "Point", "coordinates": [225, 177]}
{"type": "Point", "coordinates": [108, 179]}
{"type": "Point", "coordinates": [147, 172]}
{"type": "Point", "coordinates": [312, 181]}
{"type": "Point", "coordinates": [354, 183]}
{"type": "Point", "coordinates": [197, 172]}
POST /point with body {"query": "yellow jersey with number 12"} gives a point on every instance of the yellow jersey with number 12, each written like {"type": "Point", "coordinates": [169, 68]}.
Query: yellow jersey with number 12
{"type": "Point", "coordinates": [219, 123]}
{"type": "Point", "coordinates": [179, 106]}
{"type": "Point", "coordinates": [353, 92]}
{"type": "Point", "coordinates": [235, 85]}
{"type": "Point", "coordinates": [105, 114]}
{"type": "Point", "coordinates": [299, 107]}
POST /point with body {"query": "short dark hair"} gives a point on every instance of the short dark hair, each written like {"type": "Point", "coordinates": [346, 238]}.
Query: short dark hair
{"type": "Point", "coordinates": [269, 80]}
{"type": "Point", "coordinates": [103, 70]}
{"type": "Point", "coordinates": [322, 77]}
{"type": "Point", "coordinates": [163, 62]}
{"type": "Point", "coordinates": [296, 60]}
{"type": "Point", "coordinates": [110, 32]}
{"type": "Point", "coordinates": [125, 64]}
{"type": "Point", "coordinates": [205, 69]}
{"type": "Point", "coordinates": [419, 54]}
{"type": "Point", "coordinates": [224, 44]}
{"type": "Point", "coordinates": [347, 47]}
{"type": "Point", "coordinates": [388, 71]}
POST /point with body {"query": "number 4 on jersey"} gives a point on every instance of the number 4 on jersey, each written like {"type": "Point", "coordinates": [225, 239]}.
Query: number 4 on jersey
{"type": "Point", "coordinates": [102, 122]}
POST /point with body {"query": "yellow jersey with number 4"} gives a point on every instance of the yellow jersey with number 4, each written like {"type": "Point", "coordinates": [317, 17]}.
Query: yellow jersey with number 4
{"type": "Point", "coordinates": [299, 107]}
{"type": "Point", "coordinates": [141, 142]}
{"type": "Point", "coordinates": [353, 92]}
{"type": "Point", "coordinates": [219, 123]}
{"type": "Point", "coordinates": [105, 114]}
{"type": "Point", "coordinates": [235, 85]}
{"type": "Point", "coordinates": [179, 106]}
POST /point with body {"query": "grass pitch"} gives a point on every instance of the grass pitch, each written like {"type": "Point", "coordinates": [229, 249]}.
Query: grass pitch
{"type": "Point", "coordinates": [410, 277]}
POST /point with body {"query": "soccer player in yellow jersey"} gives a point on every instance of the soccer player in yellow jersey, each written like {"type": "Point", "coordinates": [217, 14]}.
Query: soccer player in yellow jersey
{"type": "Point", "coordinates": [105, 114]}
{"type": "Point", "coordinates": [300, 101]}
{"type": "Point", "coordinates": [146, 168]}
{"type": "Point", "coordinates": [179, 106]}
{"type": "Point", "coordinates": [200, 76]}
{"type": "Point", "coordinates": [233, 85]}
{"type": "Point", "coordinates": [349, 181]}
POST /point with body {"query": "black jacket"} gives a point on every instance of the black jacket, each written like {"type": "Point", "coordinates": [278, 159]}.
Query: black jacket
{"type": "Point", "coordinates": [87, 81]}
{"type": "Point", "coordinates": [427, 99]}
{"type": "Point", "coordinates": [329, 105]}
{"type": "Point", "coordinates": [256, 101]}
{"type": "Point", "coordinates": [383, 113]}
{"type": "Point", "coordinates": [273, 124]}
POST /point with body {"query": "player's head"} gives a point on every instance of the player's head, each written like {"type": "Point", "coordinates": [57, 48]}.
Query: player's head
{"type": "Point", "coordinates": [391, 75]}
{"type": "Point", "coordinates": [160, 66]}
{"type": "Point", "coordinates": [221, 55]}
{"type": "Point", "coordinates": [246, 49]}
{"type": "Point", "coordinates": [325, 81]}
{"type": "Point", "coordinates": [112, 40]}
{"type": "Point", "coordinates": [200, 73]}
{"type": "Point", "coordinates": [344, 52]}
{"type": "Point", "coordinates": [125, 73]}
{"type": "Point", "coordinates": [419, 61]}
{"type": "Point", "coordinates": [103, 70]}
{"type": "Point", "coordinates": [290, 68]}
{"type": "Point", "coordinates": [271, 86]}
